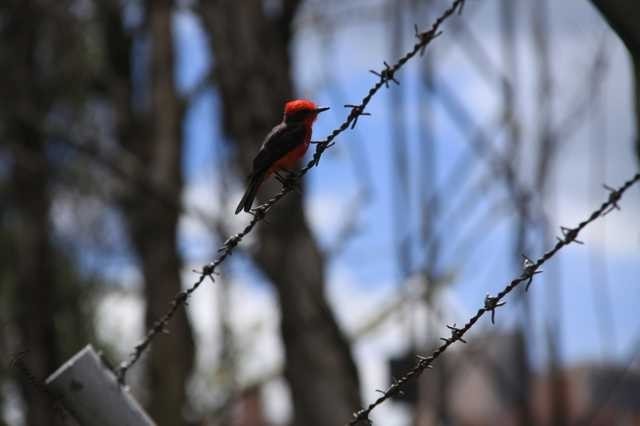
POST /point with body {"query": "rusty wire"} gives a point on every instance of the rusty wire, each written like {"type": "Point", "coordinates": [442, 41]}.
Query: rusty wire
{"type": "Point", "coordinates": [386, 75]}
{"type": "Point", "coordinates": [491, 303]}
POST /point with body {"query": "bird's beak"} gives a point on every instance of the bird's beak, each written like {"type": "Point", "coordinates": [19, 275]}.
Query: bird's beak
{"type": "Point", "coordinates": [319, 110]}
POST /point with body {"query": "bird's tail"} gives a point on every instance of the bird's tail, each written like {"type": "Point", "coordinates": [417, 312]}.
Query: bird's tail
{"type": "Point", "coordinates": [247, 199]}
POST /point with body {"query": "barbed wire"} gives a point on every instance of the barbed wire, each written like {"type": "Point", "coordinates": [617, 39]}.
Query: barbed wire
{"type": "Point", "coordinates": [386, 75]}
{"type": "Point", "coordinates": [17, 363]}
{"type": "Point", "coordinates": [491, 303]}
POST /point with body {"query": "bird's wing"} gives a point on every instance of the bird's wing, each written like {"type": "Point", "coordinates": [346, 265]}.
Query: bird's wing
{"type": "Point", "coordinates": [278, 143]}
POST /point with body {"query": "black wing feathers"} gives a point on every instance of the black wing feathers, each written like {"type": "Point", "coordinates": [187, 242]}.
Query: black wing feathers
{"type": "Point", "coordinates": [282, 139]}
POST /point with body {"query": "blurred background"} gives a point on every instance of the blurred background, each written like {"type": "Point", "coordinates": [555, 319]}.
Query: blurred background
{"type": "Point", "coordinates": [127, 129]}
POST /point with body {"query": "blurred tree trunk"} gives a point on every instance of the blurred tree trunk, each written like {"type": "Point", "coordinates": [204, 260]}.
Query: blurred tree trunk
{"type": "Point", "coordinates": [623, 16]}
{"type": "Point", "coordinates": [45, 69]}
{"type": "Point", "coordinates": [34, 284]}
{"type": "Point", "coordinates": [253, 76]}
{"type": "Point", "coordinates": [154, 136]}
{"type": "Point", "coordinates": [22, 88]}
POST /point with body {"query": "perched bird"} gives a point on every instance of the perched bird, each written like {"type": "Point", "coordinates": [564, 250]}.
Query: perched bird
{"type": "Point", "coordinates": [283, 146]}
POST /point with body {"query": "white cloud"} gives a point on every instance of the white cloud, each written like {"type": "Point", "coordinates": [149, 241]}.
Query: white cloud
{"type": "Point", "coordinates": [617, 234]}
{"type": "Point", "coordinates": [119, 320]}
{"type": "Point", "coordinates": [325, 213]}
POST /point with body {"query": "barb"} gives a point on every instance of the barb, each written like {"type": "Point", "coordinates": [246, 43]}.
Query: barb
{"type": "Point", "coordinates": [259, 213]}
{"type": "Point", "coordinates": [530, 268]}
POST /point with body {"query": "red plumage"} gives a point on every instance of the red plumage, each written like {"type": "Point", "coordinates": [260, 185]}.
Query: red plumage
{"type": "Point", "coordinates": [283, 147]}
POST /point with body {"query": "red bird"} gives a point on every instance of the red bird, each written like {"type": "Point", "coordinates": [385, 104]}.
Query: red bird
{"type": "Point", "coordinates": [283, 146]}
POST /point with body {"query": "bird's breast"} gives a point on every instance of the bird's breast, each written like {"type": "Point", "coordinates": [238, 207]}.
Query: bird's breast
{"type": "Point", "coordinates": [290, 160]}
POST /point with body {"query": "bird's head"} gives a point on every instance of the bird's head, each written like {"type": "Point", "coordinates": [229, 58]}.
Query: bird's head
{"type": "Point", "coordinates": [301, 111]}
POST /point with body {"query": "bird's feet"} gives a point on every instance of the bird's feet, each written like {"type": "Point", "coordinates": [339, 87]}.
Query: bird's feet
{"type": "Point", "coordinates": [288, 179]}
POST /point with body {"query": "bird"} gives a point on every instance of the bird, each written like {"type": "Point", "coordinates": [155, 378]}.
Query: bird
{"type": "Point", "coordinates": [281, 149]}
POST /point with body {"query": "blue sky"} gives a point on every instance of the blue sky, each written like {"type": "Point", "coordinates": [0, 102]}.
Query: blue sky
{"type": "Point", "coordinates": [333, 70]}
{"type": "Point", "coordinates": [335, 179]}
